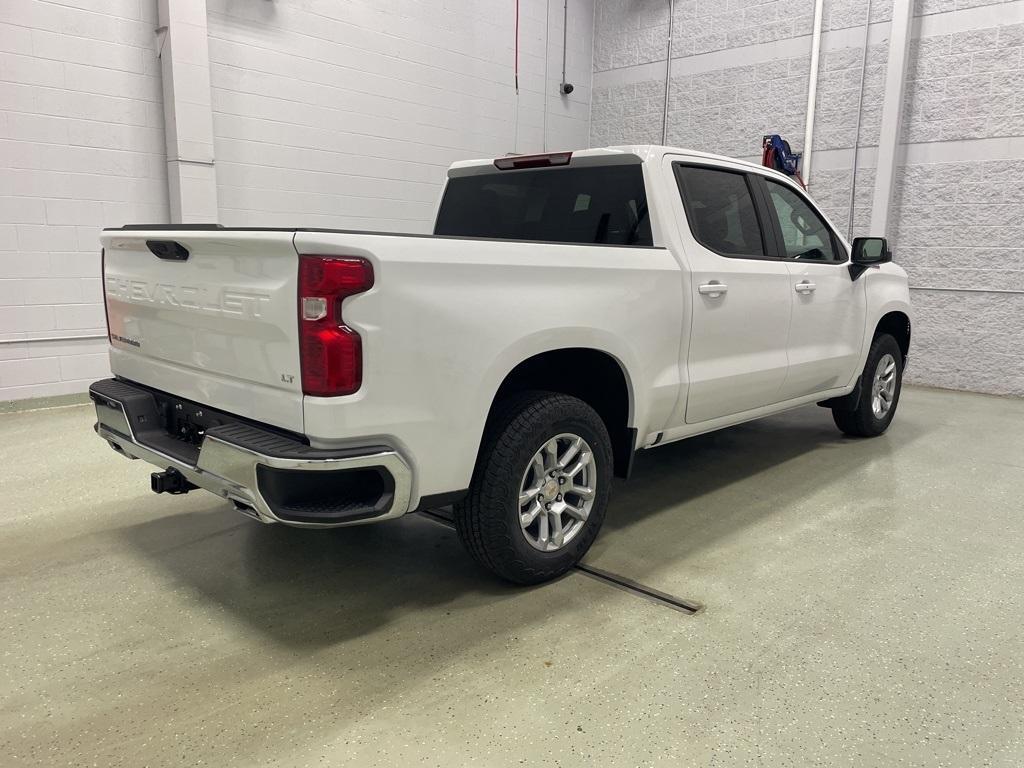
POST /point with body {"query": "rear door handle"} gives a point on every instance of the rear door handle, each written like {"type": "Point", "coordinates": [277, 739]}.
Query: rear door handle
{"type": "Point", "coordinates": [714, 289]}
{"type": "Point", "coordinates": [805, 287]}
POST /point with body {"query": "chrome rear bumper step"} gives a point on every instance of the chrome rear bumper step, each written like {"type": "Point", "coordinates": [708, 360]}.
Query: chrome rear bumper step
{"type": "Point", "coordinates": [273, 477]}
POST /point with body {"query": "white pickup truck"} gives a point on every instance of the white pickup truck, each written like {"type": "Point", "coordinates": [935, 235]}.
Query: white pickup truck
{"type": "Point", "coordinates": [569, 310]}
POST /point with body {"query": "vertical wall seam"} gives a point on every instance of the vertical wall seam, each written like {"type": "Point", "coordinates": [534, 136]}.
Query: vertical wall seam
{"type": "Point", "coordinates": [892, 111]}
{"type": "Point", "coordinates": [188, 111]}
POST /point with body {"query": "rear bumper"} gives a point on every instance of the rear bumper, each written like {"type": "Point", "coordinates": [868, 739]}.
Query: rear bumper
{"type": "Point", "coordinates": [267, 475]}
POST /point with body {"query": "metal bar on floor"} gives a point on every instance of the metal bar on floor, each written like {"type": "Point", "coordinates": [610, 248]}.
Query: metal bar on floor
{"type": "Point", "coordinates": [624, 583]}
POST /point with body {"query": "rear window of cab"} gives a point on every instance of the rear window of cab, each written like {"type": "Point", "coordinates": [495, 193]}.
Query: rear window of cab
{"type": "Point", "coordinates": [585, 205]}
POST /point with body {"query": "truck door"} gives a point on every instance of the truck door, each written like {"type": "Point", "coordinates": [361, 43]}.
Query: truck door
{"type": "Point", "coordinates": [740, 292]}
{"type": "Point", "coordinates": [829, 307]}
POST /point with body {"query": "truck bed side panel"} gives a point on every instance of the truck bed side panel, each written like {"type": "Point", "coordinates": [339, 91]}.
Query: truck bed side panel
{"type": "Point", "coordinates": [448, 319]}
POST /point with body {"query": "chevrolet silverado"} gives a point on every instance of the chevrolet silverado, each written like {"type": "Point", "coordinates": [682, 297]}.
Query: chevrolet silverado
{"type": "Point", "coordinates": [569, 310]}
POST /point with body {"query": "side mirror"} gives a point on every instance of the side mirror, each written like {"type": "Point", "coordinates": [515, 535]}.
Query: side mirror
{"type": "Point", "coordinates": [868, 252]}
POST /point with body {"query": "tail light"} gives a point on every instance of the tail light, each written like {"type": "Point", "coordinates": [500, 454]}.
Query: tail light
{"type": "Point", "coordinates": [330, 353]}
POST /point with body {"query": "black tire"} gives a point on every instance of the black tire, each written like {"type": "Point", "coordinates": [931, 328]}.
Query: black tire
{"type": "Point", "coordinates": [861, 421]}
{"type": "Point", "coordinates": [487, 519]}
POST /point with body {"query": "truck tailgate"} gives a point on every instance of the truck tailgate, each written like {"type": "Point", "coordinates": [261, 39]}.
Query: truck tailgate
{"type": "Point", "coordinates": [208, 315]}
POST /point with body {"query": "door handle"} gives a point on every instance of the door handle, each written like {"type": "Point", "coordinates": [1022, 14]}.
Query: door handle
{"type": "Point", "coordinates": [714, 289]}
{"type": "Point", "coordinates": [805, 287]}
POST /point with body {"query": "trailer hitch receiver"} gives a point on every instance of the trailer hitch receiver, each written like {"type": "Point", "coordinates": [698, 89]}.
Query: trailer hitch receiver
{"type": "Point", "coordinates": [170, 481]}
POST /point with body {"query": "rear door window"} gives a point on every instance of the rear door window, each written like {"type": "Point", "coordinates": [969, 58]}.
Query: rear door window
{"type": "Point", "coordinates": [720, 209]}
{"type": "Point", "coordinates": [594, 204]}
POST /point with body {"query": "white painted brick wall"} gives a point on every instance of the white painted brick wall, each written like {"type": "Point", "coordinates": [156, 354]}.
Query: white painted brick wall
{"type": "Point", "coordinates": [347, 114]}
{"type": "Point", "coordinates": [741, 71]}
{"type": "Point", "coordinates": [81, 147]}
{"type": "Point", "coordinates": [333, 114]}
{"type": "Point", "coordinates": [966, 85]}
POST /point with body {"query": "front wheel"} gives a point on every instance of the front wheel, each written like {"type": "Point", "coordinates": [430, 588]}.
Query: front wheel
{"type": "Point", "coordinates": [880, 386]}
{"type": "Point", "coordinates": [540, 488]}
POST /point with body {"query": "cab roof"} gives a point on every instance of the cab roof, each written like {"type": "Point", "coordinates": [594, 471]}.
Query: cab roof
{"type": "Point", "coordinates": [620, 154]}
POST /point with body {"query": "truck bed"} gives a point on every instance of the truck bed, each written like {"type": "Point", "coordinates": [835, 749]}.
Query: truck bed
{"type": "Point", "coordinates": [221, 327]}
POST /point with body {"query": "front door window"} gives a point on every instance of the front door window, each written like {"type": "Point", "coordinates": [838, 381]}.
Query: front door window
{"type": "Point", "coordinates": [804, 234]}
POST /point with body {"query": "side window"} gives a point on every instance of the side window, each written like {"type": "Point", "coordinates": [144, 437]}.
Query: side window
{"type": "Point", "coordinates": [720, 209]}
{"type": "Point", "coordinates": [804, 234]}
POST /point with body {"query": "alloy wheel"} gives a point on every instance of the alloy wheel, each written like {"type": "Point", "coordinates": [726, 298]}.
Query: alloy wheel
{"type": "Point", "coordinates": [557, 492]}
{"type": "Point", "coordinates": [883, 387]}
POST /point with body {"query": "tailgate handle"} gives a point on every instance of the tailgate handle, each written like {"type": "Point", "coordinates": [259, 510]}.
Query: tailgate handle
{"type": "Point", "coordinates": [167, 249]}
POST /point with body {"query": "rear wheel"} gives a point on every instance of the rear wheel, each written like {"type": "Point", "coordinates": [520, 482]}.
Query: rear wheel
{"type": "Point", "coordinates": [540, 488]}
{"type": "Point", "coordinates": [880, 386]}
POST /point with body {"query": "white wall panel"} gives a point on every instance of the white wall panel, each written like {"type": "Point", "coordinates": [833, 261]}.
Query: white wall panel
{"type": "Point", "coordinates": [325, 113]}
{"type": "Point", "coordinates": [347, 114]}
{"type": "Point", "coordinates": [81, 147]}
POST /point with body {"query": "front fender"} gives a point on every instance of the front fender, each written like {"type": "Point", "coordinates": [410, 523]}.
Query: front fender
{"type": "Point", "coordinates": [887, 291]}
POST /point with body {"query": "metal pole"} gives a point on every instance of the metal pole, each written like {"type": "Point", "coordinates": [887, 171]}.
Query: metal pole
{"type": "Point", "coordinates": [547, 51]}
{"type": "Point", "coordinates": [668, 71]}
{"type": "Point", "coordinates": [812, 93]}
{"type": "Point", "coordinates": [565, 35]}
{"type": "Point", "coordinates": [860, 112]}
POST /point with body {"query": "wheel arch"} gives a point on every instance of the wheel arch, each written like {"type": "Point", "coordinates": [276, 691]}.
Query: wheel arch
{"type": "Point", "coordinates": [594, 376]}
{"type": "Point", "coordinates": [897, 324]}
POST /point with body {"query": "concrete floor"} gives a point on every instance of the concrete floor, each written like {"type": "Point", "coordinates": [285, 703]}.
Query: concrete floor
{"type": "Point", "coordinates": [864, 606]}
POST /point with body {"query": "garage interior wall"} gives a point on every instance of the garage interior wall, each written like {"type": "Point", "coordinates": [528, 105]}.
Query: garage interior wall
{"type": "Point", "coordinates": [341, 115]}
{"type": "Point", "coordinates": [345, 115]}
{"type": "Point", "coordinates": [81, 148]}
{"type": "Point", "coordinates": [740, 70]}
{"type": "Point", "coordinates": [349, 115]}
